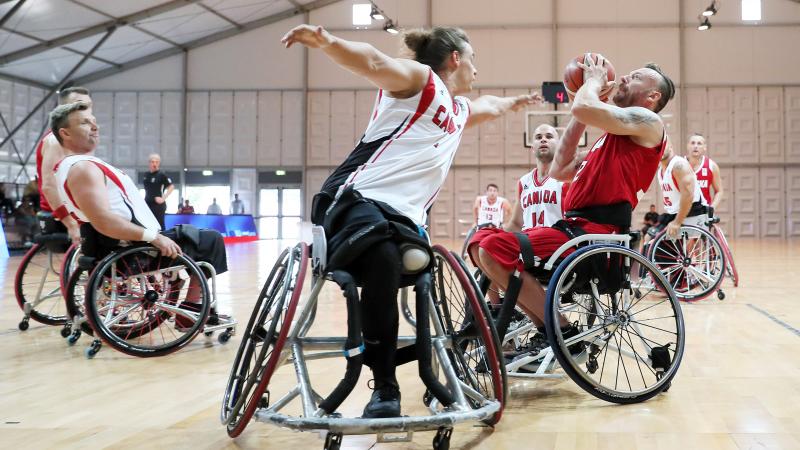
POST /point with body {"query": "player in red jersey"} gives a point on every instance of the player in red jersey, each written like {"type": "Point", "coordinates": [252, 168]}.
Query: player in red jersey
{"type": "Point", "coordinates": [707, 171]}
{"type": "Point", "coordinates": [48, 153]}
{"type": "Point", "coordinates": [604, 185]}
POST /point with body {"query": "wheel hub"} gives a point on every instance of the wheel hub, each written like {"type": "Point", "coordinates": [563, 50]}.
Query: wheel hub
{"type": "Point", "coordinates": [686, 262]}
{"type": "Point", "coordinates": [150, 297]}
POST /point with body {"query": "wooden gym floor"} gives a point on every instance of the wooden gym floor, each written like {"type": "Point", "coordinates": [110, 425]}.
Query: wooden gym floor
{"type": "Point", "coordinates": [738, 386]}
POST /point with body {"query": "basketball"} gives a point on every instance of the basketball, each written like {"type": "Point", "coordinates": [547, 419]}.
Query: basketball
{"type": "Point", "coordinates": [573, 74]}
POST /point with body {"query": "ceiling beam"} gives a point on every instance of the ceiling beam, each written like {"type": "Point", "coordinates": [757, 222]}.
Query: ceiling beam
{"type": "Point", "coordinates": [93, 30]}
{"type": "Point", "coordinates": [26, 81]}
{"type": "Point", "coordinates": [69, 49]}
{"type": "Point", "coordinates": [210, 39]}
{"type": "Point", "coordinates": [11, 12]}
{"type": "Point", "coordinates": [220, 15]}
{"type": "Point", "coordinates": [135, 27]}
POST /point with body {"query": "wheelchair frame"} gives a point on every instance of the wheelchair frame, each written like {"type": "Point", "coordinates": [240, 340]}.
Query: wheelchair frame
{"type": "Point", "coordinates": [315, 417]}
{"type": "Point", "coordinates": [29, 307]}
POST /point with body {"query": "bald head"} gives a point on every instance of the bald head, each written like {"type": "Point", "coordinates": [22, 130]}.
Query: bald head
{"type": "Point", "coordinates": [545, 142]}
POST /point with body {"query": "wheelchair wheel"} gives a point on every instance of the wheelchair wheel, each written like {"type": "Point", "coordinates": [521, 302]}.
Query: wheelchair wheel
{"type": "Point", "coordinates": [620, 347]}
{"type": "Point", "coordinates": [730, 265]}
{"type": "Point", "coordinates": [262, 344]}
{"type": "Point", "coordinates": [75, 298]}
{"type": "Point", "coordinates": [139, 302]}
{"type": "Point", "coordinates": [475, 350]}
{"type": "Point", "coordinates": [37, 286]}
{"type": "Point", "coordinates": [693, 263]}
{"type": "Point", "coordinates": [68, 263]}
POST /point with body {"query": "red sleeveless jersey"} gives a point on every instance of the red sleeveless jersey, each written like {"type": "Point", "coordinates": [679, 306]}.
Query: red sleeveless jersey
{"type": "Point", "coordinates": [705, 177]}
{"type": "Point", "coordinates": [43, 204]}
{"type": "Point", "coordinates": [614, 171]}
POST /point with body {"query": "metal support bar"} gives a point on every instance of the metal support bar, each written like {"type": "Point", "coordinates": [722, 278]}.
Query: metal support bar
{"type": "Point", "coordinates": [91, 31]}
{"type": "Point", "coordinates": [135, 27]}
{"type": "Point", "coordinates": [13, 144]}
{"type": "Point", "coordinates": [56, 87]}
{"type": "Point", "coordinates": [69, 49]}
{"type": "Point", "coordinates": [11, 12]}
{"type": "Point", "coordinates": [220, 15]}
{"type": "Point", "coordinates": [45, 125]}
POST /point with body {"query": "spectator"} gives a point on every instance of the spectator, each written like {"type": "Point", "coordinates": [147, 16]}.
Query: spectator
{"type": "Point", "coordinates": [237, 206]}
{"type": "Point", "coordinates": [650, 219]}
{"type": "Point", "coordinates": [186, 208]}
{"type": "Point", "coordinates": [214, 208]}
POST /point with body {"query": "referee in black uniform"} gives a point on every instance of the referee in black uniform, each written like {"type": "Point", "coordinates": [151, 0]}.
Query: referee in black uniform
{"type": "Point", "coordinates": [157, 187]}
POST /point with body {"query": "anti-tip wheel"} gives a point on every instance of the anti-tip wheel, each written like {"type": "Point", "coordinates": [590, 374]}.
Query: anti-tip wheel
{"type": "Point", "coordinates": [24, 325]}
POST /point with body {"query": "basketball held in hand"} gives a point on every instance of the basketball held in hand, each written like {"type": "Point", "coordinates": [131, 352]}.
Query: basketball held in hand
{"type": "Point", "coordinates": [573, 75]}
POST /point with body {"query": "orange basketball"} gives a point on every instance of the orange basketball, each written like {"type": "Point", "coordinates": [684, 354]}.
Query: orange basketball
{"type": "Point", "coordinates": [573, 74]}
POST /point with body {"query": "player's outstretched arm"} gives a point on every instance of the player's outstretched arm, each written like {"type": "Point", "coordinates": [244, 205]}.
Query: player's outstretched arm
{"type": "Point", "coordinates": [402, 78]}
{"type": "Point", "coordinates": [490, 107]}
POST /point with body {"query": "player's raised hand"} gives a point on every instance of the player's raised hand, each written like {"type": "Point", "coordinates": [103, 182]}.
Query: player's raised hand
{"type": "Point", "coordinates": [525, 100]}
{"type": "Point", "coordinates": [594, 69]}
{"type": "Point", "coordinates": [312, 36]}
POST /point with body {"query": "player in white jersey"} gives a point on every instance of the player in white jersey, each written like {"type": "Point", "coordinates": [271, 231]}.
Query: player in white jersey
{"type": "Point", "coordinates": [683, 202]}
{"type": "Point", "coordinates": [397, 169]}
{"type": "Point", "coordinates": [106, 201]}
{"type": "Point", "coordinates": [490, 209]}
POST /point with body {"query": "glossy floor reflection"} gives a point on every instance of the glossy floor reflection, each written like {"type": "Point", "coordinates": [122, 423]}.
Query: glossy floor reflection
{"type": "Point", "coordinates": [738, 386]}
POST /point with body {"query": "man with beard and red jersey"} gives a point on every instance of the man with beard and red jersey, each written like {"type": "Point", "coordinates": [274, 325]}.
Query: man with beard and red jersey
{"type": "Point", "coordinates": [605, 185]}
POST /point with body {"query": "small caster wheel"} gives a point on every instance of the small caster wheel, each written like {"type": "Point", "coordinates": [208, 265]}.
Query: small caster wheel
{"type": "Point", "coordinates": [73, 338]}
{"type": "Point", "coordinates": [720, 295]}
{"type": "Point", "coordinates": [208, 333]}
{"type": "Point", "coordinates": [224, 337]}
{"type": "Point", "coordinates": [67, 330]}
{"type": "Point", "coordinates": [263, 402]}
{"type": "Point", "coordinates": [442, 439]}
{"type": "Point", "coordinates": [90, 352]}
{"type": "Point", "coordinates": [23, 325]}
{"type": "Point", "coordinates": [333, 441]}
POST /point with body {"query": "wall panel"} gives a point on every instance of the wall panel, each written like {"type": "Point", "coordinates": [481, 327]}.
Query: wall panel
{"type": "Point", "coordinates": [319, 128]}
{"type": "Point", "coordinates": [515, 151]}
{"type": "Point", "coordinates": [696, 117]}
{"type": "Point", "coordinates": [103, 110]}
{"type": "Point", "coordinates": [491, 136]}
{"type": "Point", "coordinates": [746, 202]}
{"type": "Point", "coordinates": [745, 124]}
{"type": "Point", "coordinates": [343, 123]}
{"type": "Point", "coordinates": [442, 217]}
{"type": "Point", "coordinates": [292, 128]}
{"type": "Point", "coordinates": [793, 202]}
{"type": "Point", "coordinates": [269, 128]}
{"type": "Point", "coordinates": [220, 129]}
{"type": "Point", "coordinates": [312, 184]}
{"type": "Point", "coordinates": [171, 119]}
{"type": "Point", "coordinates": [149, 127]}
{"type": "Point", "coordinates": [365, 103]}
{"type": "Point", "coordinates": [245, 126]}
{"type": "Point", "coordinates": [197, 151]}
{"type": "Point", "coordinates": [791, 105]}
{"type": "Point", "coordinates": [466, 180]}
{"type": "Point", "coordinates": [125, 107]}
{"type": "Point", "coordinates": [772, 198]}
{"type": "Point", "coordinates": [720, 126]}
{"type": "Point", "coordinates": [770, 124]}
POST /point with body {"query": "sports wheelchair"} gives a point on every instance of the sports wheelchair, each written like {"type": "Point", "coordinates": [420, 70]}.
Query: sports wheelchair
{"type": "Point", "coordinates": [42, 275]}
{"type": "Point", "coordinates": [136, 301]}
{"type": "Point", "coordinates": [628, 339]}
{"type": "Point", "coordinates": [694, 263]}
{"type": "Point", "coordinates": [455, 346]}
{"type": "Point", "coordinates": [716, 231]}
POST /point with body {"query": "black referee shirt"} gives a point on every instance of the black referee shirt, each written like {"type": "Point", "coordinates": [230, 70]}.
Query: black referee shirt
{"type": "Point", "coordinates": [154, 185]}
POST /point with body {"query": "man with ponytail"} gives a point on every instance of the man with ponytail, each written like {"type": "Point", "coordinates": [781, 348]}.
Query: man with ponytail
{"type": "Point", "coordinates": [397, 169]}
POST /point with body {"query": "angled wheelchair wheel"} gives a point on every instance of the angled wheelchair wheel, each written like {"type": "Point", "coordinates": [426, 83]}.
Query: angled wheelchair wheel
{"type": "Point", "coordinates": [730, 265]}
{"type": "Point", "coordinates": [693, 263]}
{"type": "Point", "coordinates": [475, 352]}
{"type": "Point", "coordinates": [262, 344]}
{"type": "Point", "coordinates": [37, 286]}
{"type": "Point", "coordinates": [68, 264]}
{"type": "Point", "coordinates": [626, 336]}
{"type": "Point", "coordinates": [145, 305]}
{"type": "Point", "coordinates": [75, 298]}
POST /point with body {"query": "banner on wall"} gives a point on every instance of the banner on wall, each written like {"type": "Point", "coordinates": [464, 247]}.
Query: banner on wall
{"type": "Point", "coordinates": [233, 228]}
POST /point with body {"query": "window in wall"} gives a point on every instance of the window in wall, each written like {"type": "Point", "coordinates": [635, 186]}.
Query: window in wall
{"type": "Point", "coordinates": [201, 197]}
{"type": "Point", "coordinates": [280, 212]}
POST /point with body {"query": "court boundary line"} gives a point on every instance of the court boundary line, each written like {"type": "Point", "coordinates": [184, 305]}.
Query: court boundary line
{"type": "Point", "coordinates": [775, 319]}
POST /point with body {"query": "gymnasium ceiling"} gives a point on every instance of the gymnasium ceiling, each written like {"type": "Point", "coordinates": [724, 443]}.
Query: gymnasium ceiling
{"type": "Point", "coordinates": [42, 41]}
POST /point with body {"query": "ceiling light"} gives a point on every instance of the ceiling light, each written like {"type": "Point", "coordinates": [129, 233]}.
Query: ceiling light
{"type": "Point", "coordinates": [207, 173]}
{"type": "Point", "coordinates": [711, 10]}
{"type": "Point", "coordinates": [376, 13]}
{"type": "Point", "coordinates": [704, 25]}
{"type": "Point", "coordinates": [280, 173]}
{"type": "Point", "coordinates": [390, 28]}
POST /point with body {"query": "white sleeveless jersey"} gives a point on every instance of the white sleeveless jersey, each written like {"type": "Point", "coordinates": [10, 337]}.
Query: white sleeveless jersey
{"type": "Point", "coordinates": [123, 195]}
{"type": "Point", "coordinates": [491, 213]}
{"type": "Point", "coordinates": [670, 188]}
{"type": "Point", "coordinates": [541, 200]}
{"type": "Point", "coordinates": [406, 151]}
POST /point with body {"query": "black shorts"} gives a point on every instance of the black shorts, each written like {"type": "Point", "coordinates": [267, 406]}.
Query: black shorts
{"type": "Point", "coordinates": [210, 249]}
